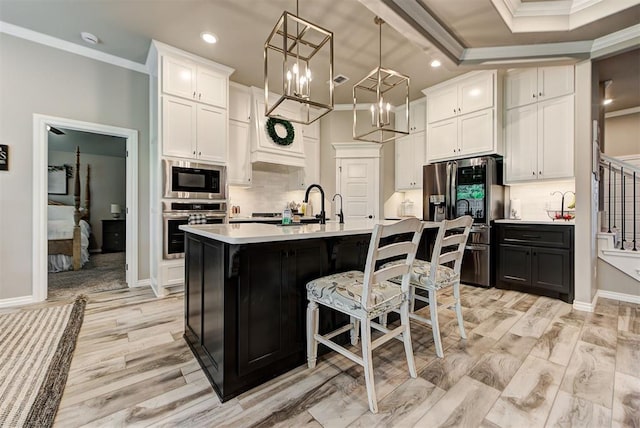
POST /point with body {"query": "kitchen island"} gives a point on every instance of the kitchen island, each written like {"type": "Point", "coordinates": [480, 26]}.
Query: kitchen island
{"type": "Point", "coordinates": [245, 296]}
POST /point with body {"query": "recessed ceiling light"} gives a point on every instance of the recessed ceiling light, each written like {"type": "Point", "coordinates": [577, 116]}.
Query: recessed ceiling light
{"type": "Point", "coordinates": [435, 63]}
{"type": "Point", "coordinates": [209, 37]}
{"type": "Point", "coordinates": [607, 101]}
{"type": "Point", "coordinates": [89, 38]}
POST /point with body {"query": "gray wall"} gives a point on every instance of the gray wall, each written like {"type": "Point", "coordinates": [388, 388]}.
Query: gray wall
{"type": "Point", "coordinates": [622, 135]}
{"type": "Point", "coordinates": [613, 279]}
{"type": "Point", "coordinates": [39, 79]}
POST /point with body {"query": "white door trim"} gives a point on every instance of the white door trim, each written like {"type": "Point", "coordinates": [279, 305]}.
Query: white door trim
{"type": "Point", "coordinates": [40, 162]}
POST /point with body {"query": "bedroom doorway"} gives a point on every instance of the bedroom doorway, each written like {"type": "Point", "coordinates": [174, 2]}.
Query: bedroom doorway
{"type": "Point", "coordinates": [106, 209]}
{"type": "Point", "coordinates": [102, 178]}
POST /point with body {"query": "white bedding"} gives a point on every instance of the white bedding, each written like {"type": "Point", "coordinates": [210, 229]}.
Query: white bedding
{"type": "Point", "coordinates": [60, 226]}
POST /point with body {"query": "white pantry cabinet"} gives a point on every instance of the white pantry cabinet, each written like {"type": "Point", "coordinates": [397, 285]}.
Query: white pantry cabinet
{"type": "Point", "coordinates": [410, 158]}
{"type": "Point", "coordinates": [193, 130]}
{"type": "Point", "coordinates": [530, 85]}
{"type": "Point", "coordinates": [190, 80]}
{"type": "Point", "coordinates": [539, 140]}
{"type": "Point", "coordinates": [462, 119]}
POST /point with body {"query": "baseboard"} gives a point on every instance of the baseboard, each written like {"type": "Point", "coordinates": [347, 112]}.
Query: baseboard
{"type": "Point", "coordinates": [17, 301]}
{"type": "Point", "coordinates": [630, 298]}
{"type": "Point", "coordinates": [142, 283]}
{"type": "Point", "coordinates": [586, 306]}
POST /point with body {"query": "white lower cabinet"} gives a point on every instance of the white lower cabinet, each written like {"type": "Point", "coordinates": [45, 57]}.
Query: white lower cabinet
{"type": "Point", "coordinates": [239, 170]}
{"type": "Point", "coordinates": [410, 158]}
{"type": "Point", "coordinates": [539, 140]}
{"type": "Point", "coordinates": [192, 130]}
{"type": "Point", "coordinates": [463, 136]}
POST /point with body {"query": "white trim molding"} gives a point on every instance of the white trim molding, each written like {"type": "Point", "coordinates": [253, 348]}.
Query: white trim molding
{"type": "Point", "coordinates": [622, 297]}
{"type": "Point", "coordinates": [16, 301]}
{"type": "Point", "coordinates": [586, 306]}
{"type": "Point", "coordinates": [40, 157]}
{"type": "Point", "coordinates": [624, 112]}
{"type": "Point", "coordinates": [142, 283]}
{"type": "Point", "coordinates": [74, 48]}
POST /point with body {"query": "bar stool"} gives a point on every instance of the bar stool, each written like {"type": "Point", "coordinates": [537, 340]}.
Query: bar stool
{"type": "Point", "coordinates": [452, 237]}
{"type": "Point", "coordinates": [365, 296]}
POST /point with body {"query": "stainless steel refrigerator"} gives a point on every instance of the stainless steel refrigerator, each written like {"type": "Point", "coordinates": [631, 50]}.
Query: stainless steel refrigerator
{"type": "Point", "coordinates": [467, 187]}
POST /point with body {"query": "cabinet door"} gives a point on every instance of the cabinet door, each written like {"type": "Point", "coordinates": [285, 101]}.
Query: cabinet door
{"type": "Point", "coordinates": [418, 116]}
{"type": "Point", "coordinates": [239, 103]}
{"type": "Point", "coordinates": [193, 286]}
{"type": "Point", "coordinates": [551, 269]}
{"type": "Point", "coordinates": [514, 264]}
{"type": "Point", "coordinates": [442, 104]}
{"type": "Point", "coordinates": [521, 87]}
{"type": "Point", "coordinates": [312, 130]}
{"type": "Point", "coordinates": [442, 140]}
{"type": "Point", "coordinates": [212, 133]}
{"type": "Point", "coordinates": [239, 171]}
{"type": "Point", "coordinates": [476, 133]}
{"type": "Point", "coordinates": [521, 140]}
{"type": "Point", "coordinates": [404, 163]}
{"type": "Point", "coordinates": [418, 158]}
{"type": "Point", "coordinates": [212, 87]}
{"type": "Point", "coordinates": [555, 138]}
{"type": "Point", "coordinates": [555, 81]}
{"type": "Point", "coordinates": [178, 77]}
{"type": "Point", "coordinates": [178, 127]}
{"type": "Point", "coordinates": [311, 161]}
{"type": "Point", "coordinates": [475, 93]}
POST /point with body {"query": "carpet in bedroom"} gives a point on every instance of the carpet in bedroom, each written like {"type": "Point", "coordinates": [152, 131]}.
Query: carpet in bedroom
{"type": "Point", "coordinates": [101, 273]}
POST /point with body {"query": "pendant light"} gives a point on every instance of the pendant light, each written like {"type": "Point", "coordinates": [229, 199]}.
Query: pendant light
{"type": "Point", "coordinates": [298, 70]}
{"type": "Point", "coordinates": [376, 90]}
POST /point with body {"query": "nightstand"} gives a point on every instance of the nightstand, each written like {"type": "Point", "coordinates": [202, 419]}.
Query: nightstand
{"type": "Point", "coordinates": [114, 235]}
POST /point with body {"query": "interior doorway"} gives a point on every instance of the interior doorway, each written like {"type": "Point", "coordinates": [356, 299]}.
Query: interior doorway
{"type": "Point", "coordinates": [102, 197]}
{"type": "Point", "coordinates": [128, 209]}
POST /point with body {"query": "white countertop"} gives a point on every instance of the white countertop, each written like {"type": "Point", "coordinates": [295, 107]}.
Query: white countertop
{"type": "Point", "coordinates": [545, 222]}
{"type": "Point", "coordinates": [251, 233]}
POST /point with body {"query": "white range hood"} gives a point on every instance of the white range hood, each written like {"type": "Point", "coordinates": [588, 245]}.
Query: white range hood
{"type": "Point", "coordinates": [263, 149]}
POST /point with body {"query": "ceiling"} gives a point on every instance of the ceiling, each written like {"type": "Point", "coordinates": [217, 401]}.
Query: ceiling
{"type": "Point", "coordinates": [125, 29]}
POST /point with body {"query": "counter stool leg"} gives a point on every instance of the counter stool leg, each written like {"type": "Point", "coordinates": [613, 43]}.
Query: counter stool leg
{"type": "Point", "coordinates": [458, 307]}
{"type": "Point", "coordinates": [433, 310]}
{"type": "Point", "coordinates": [354, 333]}
{"type": "Point", "coordinates": [406, 338]}
{"type": "Point", "coordinates": [368, 364]}
{"type": "Point", "coordinates": [312, 330]}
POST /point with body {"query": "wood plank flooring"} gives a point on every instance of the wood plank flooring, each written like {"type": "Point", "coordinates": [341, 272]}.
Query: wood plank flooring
{"type": "Point", "coordinates": [528, 361]}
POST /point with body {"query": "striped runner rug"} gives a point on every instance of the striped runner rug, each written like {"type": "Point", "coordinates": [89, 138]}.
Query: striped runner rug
{"type": "Point", "coordinates": [36, 347]}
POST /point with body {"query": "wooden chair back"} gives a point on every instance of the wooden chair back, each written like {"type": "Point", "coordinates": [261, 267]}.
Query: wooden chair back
{"type": "Point", "coordinates": [449, 247]}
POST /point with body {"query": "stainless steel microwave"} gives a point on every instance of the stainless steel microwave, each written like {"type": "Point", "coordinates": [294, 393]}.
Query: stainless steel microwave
{"type": "Point", "coordinates": [191, 180]}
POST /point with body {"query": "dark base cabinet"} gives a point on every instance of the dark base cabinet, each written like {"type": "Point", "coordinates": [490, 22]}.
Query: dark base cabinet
{"type": "Point", "coordinates": [245, 305]}
{"type": "Point", "coordinates": [536, 259]}
{"type": "Point", "coordinates": [114, 235]}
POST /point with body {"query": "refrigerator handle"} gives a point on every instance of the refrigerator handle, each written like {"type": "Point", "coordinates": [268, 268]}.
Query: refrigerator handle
{"type": "Point", "coordinates": [453, 189]}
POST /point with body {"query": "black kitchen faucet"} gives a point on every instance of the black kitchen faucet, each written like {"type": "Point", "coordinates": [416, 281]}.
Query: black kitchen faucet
{"type": "Point", "coordinates": [306, 200]}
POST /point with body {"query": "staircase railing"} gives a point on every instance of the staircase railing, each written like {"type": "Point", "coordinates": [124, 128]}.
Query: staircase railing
{"type": "Point", "coordinates": [622, 177]}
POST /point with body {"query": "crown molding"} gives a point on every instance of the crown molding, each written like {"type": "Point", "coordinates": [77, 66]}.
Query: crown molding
{"type": "Point", "coordinates": [565, 51]}
{"type": "Point", "coordinates": [624, 112]}
{"type": "Point", "coordinates": [626, 38]}
{"type": "Point", "coordinates": [54, 42]}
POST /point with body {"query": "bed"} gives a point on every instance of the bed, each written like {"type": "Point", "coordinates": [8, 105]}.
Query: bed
{"type": "Point", "coordinates": [68, 228]}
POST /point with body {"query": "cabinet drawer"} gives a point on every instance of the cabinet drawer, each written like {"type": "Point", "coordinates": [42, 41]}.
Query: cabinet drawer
{"type": "Point", "coordinates": [536, 235]}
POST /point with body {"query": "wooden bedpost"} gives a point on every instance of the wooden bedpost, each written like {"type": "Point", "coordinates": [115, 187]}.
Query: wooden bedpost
{"type": "Point", "coordinates": [87, 196]}
{"type": "Point", "coordinates": [77, 247]}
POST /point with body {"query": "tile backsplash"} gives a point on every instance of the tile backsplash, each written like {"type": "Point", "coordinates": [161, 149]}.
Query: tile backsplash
{"type": "Point", "coordinates": [270, 192]}
{"type": "Point", "coordinates": [536, 198]}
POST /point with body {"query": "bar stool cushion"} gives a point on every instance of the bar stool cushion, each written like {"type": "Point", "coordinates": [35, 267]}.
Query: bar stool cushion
{"type": "Point", "coordinates": [343, 291]}
{"type": "Point", "coordinates": [421, 270]}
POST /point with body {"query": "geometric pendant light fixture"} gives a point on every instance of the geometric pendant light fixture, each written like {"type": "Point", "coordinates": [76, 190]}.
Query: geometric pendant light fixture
{"type": "Point", "coordinates": [376, 91]}
{"type": "Point", "coordinates": [298, 70]}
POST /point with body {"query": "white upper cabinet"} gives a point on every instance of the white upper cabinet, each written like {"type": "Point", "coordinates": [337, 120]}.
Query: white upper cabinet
{"type": "Point", "coordinates": [539, 141]}
{"type": "Point", "coordinates": [187, 79]}
{"type": "Point", "coordinates": [239, 172]}
{"type": "Point", "coordinates": [239, 103]}
{"type": "Point", "coordinates": [301, 178]}
{"type": "Point", "coordinates": [410, 152]}
{"type": "Point", "coordinates": [463, 96]}
{"type": "Point", "coordinates": [462, 119]}
{"type": "Point", "coordinates": [530, 85]}
{"type": "Point", "coordinates": [211, 135]}
{"type": "Point", "coordinates": [417, 116]}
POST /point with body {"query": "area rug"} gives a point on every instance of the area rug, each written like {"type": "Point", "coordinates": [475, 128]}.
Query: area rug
{"type": "Point", "coordinates": [102, 272]}
{"type": "Point", "coordinates": [36, 347]}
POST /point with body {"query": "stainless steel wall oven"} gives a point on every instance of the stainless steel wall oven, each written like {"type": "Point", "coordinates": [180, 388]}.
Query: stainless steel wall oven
{"type": "Point", "coordinates": [175, 214]}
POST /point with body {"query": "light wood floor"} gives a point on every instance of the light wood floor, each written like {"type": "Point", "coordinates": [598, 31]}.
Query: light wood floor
{"type": "Point", "coordinates": [529, 361]}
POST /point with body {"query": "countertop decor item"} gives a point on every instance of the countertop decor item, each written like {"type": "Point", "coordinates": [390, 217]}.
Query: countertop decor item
{"type": "Point", "coordinates": [273, 134]}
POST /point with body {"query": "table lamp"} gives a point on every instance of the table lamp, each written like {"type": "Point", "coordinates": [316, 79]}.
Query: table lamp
{"type": "Point", "coordinates": [115, 210]}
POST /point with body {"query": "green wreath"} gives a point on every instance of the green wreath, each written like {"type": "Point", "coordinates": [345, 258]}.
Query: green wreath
{"type": "Point", "coordinates": [271, 130]}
